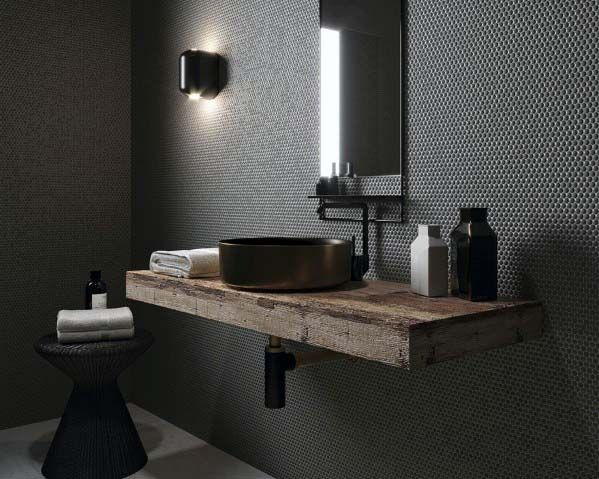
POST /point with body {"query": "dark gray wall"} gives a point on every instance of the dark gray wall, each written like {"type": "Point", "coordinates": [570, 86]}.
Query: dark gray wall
{"type": "Point", "coordinates": [501, 111]}
{"type": "Point", "coordinates": [64, 179]}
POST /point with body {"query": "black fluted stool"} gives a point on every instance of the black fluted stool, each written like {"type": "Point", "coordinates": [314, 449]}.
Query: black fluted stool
{"type": "Point", "coordinates": [96, 437]}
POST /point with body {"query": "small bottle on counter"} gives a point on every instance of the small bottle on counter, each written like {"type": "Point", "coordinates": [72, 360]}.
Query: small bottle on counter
{"type": "Point", "coordinates": [322, 187]}
{"type": "Point", "coordinates": [333, 188]}
{"type": "Point", "coordinates": [96, 293]}
{"type": "Point", "coordinates": [429, 262]}
{"type": "Point", "coordinates": [474, 257]}
{"type": "Point", "coordinates": [349, 170]}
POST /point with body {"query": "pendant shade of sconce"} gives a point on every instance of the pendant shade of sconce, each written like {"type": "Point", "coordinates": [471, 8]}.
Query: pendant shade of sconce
{"type": "Point", "coordinates": [199, 74]}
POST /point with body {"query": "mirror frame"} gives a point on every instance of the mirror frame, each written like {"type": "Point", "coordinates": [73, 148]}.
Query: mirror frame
{"type": "Point", "coordinates": [373, 179]}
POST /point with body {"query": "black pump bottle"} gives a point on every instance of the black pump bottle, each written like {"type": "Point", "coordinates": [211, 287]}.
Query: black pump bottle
{"type": "Point", "coordinates": [96, 293]}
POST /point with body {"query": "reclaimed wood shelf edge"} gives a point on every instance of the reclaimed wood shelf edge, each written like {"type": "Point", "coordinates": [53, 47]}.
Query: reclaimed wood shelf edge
{"type": "Point", "coordinates": [375, 320]}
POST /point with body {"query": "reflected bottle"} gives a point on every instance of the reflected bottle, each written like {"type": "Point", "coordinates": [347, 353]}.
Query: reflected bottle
{"type": "Point", "coordinates": [474, 257]}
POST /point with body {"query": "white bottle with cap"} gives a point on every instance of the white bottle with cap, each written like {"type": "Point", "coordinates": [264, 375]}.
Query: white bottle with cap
{"type": "Point", "coordinates": [429, 262]}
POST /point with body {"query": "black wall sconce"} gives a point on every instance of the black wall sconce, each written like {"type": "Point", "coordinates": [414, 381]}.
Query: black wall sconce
{"type": "Point", "coordinates": [199, 74]}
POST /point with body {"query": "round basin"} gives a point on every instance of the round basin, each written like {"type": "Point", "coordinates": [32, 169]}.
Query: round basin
{"type": "Point", "coordinates": [285, 263]}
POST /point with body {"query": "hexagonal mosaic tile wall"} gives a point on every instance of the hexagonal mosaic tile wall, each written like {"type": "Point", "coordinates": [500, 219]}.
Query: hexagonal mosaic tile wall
{"type": "Point", "coordinates": [500, 112]}
{"type": "Point", "coordinates": [65, 185]}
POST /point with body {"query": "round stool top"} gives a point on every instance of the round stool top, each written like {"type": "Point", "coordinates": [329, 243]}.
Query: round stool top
{"type": "Point", "coordinates": [49, 345]}
{"type": "Point", "coordinates": [94, 364]}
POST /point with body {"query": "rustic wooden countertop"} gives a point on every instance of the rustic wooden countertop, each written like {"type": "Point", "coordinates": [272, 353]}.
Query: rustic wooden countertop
{"type": "Point", "coordinates": [375, 320]}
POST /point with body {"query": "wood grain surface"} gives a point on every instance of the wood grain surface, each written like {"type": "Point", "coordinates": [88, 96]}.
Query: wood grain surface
{"type": "Point", "coordinates": [375, 320]}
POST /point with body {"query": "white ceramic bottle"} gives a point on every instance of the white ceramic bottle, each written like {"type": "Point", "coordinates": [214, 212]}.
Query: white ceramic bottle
{"type": "Point", "coordinates": [429, 262]}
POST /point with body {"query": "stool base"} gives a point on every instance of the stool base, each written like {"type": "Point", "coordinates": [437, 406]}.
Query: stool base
{"type": "Point", "coordinates": [96, 438]}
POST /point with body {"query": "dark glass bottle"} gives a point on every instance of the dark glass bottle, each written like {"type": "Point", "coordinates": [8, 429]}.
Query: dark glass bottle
{"type": "Point", "coordinates": [96, 293]}
{"type": "Point", "coordinates": [322, 186]}
{"type": "Point", "coordinates": [474, 257]}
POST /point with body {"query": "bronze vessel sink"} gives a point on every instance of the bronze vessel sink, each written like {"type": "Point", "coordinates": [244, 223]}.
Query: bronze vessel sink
{"type": "Point", "coordinates": [285, 263]}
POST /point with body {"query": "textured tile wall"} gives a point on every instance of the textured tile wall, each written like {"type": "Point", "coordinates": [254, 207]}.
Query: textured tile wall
{"type": "Point", "coordinates": [64, 179]}
{"type": "Point", "coordinates": [501, 111]}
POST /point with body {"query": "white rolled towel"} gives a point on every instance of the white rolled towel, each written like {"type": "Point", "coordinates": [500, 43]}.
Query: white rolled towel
{"type": "Point", "coordinates": [94, 336]}
{"type": "Point", "coordinates": [86, 320]}
{"type": "Point", "coordinates": [193, 263]}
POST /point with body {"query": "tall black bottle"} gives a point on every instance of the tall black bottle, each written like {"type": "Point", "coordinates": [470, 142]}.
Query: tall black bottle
{"type": "Point", "coordinates": [96, 293]}
{"type": "Point", "coordinates": [474, 257]}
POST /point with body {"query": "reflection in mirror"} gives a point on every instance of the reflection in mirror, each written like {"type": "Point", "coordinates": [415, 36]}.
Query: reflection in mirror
{"type": "Point", "coordinates": [329, 100]}
{"type": "Point", "coordinates": [361, 87]}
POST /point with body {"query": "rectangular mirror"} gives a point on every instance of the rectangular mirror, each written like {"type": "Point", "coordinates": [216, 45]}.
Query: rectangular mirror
{"type": "Point", "coordinates": [361, 88]}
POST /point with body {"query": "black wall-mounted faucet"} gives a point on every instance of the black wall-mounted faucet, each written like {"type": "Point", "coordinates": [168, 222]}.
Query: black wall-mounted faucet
{"type": "Point", "coordinates": [360, 264]}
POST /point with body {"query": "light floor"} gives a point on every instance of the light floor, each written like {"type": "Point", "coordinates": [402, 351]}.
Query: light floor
{"type": "Point", "coordinates": [172, 452]}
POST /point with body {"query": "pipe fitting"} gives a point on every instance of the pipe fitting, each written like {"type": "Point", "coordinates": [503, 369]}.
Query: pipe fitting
{"type": "Point", "coordinates": [277, 362]}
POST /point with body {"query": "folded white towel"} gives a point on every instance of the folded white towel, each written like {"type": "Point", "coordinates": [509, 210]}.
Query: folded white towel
{"type": "Point", "coordinates": [194, 263]}
{"type": "Point", "coordinates": [86, 320]}
{"type": "Point", "coordinates": [94, 336]}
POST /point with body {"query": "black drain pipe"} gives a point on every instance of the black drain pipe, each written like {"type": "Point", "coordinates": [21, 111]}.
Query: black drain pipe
{"type": "Point", "coordinates": [277, 362]}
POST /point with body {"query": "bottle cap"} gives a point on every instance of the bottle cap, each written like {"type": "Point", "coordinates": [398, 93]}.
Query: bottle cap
{"type": "Point", "coordinates": [95, 275]}
{"type": "Point", "coordinates": [476, 215]}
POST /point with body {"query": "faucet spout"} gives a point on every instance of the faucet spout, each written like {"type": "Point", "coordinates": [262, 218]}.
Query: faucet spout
{"type": "Point", "coordinates": [360, 264]}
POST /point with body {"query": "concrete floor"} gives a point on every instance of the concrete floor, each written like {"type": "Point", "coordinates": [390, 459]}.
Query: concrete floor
{"type": "Point", "coordinates": [172, 452]}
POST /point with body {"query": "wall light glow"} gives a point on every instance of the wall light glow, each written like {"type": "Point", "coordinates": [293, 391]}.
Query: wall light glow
{"type": "Point", "coordinates": [182, 73]}
{"type": "Point", "coordinates": [211, 46]}
{"type": "Point", "coordinates": [330, 92]}
{"type": "Point", "coordinates": [199, 74]}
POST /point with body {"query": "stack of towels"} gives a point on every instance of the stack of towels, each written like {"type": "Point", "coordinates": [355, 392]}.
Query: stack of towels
{"type": "Point", "coordinates": [193, 263]}
{"type": "Point", "coordinates": [89, 325]}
